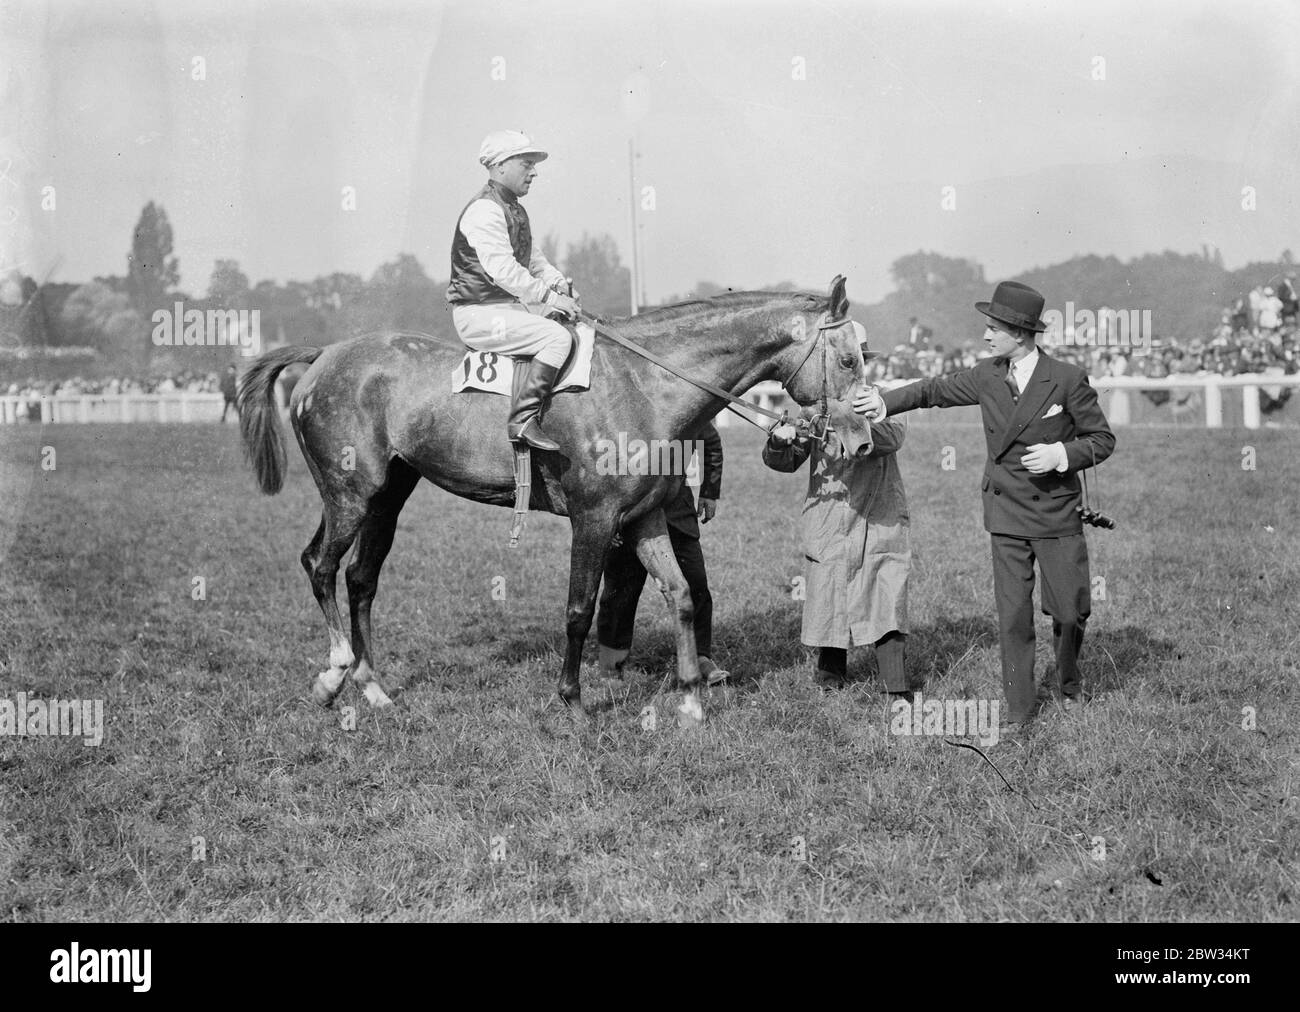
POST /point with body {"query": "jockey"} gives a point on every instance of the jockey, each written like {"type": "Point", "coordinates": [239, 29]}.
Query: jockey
{"type": "Point", "coordinates": [495, 269]}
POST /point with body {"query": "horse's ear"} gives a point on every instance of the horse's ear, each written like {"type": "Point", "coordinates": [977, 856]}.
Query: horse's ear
{"type": "Point", "coordinates": [839, 298]}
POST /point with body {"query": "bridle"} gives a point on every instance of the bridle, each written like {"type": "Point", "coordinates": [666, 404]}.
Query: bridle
{"type": "Point", "coordinates": [817, 428]}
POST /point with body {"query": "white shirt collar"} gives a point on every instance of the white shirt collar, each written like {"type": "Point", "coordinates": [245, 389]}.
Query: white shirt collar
{"type": "Point", "coordinates": [1025, 368]}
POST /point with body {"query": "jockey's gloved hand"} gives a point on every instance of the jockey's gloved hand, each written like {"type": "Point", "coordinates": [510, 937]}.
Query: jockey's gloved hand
{"type": "Point", "coordinates": [564, 304]}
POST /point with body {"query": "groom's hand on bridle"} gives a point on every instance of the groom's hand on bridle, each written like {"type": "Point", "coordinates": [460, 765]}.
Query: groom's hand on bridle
{"type": "Point", "coordinates": [870, 403]}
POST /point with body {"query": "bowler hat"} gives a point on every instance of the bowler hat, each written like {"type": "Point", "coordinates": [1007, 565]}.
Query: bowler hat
{"type": "Point", "coordinates": [1015, 304]}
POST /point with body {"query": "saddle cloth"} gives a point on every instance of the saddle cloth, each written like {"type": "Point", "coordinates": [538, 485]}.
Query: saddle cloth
{"type": "Point", "coordinates": [493, 372]}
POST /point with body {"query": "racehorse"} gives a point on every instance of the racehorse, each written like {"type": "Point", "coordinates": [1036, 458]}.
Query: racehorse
{"type": "Point", "coordinates": [374, 414]}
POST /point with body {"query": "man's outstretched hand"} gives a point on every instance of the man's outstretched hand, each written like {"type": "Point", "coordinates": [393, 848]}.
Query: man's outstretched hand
{"type": "Point", "coordinates": [870, 403]}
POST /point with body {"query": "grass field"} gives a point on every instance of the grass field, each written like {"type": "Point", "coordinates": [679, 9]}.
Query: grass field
{"type": "Point", "coordinates": [220, 793]}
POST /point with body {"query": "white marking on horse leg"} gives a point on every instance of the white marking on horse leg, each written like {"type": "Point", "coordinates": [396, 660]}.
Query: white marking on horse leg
{"type": "Point", "coordinates": [691, 712]}
{"type": "Point", "coordinates": [327, 686]}
{"type": "Point", "coordinates": [340, 652]}
{"type": "Point", "coordinates": [328, 683]}
{"type": "Point", "coordinates": [376, 696]}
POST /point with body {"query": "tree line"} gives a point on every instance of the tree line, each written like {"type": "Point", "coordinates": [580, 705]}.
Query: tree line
{"type": "Point", "coordinates": [112, 314]}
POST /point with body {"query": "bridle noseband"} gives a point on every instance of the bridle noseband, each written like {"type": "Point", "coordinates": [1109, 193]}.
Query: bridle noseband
{"type": "Point", "coordinates": [819, 426]}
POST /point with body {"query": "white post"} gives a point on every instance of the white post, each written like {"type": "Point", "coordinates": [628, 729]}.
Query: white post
{"type": "Point", "coordinates": [631, 212]}
{"type": "Point", "coordinates": [1119, 407]}
{"type": "Point", "coordinates": [1250, 406]}
{"type": "Point", "coordinates": [1213, 404]}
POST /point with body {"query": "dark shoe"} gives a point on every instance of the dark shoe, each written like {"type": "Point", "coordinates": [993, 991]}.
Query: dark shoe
{"type": "Point", "coordinates": [713, 675]}
{"type": "Point", "coordinates": [528, 404]}
{"type": "Point", "coordinates": [611, 662]}
{"type": "Point", "coordinates": [829, 680]}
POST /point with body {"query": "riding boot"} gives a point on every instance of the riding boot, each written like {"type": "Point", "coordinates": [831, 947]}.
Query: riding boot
{"type": "Point", "coordinates": [528, 403]}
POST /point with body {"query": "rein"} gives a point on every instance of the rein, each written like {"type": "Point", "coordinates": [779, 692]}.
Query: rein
{"type": "Point", "coordinates": [819, 425]}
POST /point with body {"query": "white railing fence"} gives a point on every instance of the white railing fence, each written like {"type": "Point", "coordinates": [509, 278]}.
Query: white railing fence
{"type": "Point", "coordinates": [178, 406]}
{"type": "Point", "coordinates": [183, 406]}
{"type": "Point", "coordinates": [1118, 400]}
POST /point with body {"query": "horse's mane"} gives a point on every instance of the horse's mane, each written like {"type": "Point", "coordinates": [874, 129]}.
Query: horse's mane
{"type": "Point", "coordinates": [652, 319]}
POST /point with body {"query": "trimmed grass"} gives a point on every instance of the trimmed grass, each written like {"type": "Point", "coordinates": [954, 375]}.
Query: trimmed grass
{"type": "Point", "coordinates": [1154, 805]}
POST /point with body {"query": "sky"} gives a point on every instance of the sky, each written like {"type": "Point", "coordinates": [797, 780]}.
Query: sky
{"type": "Point", "coordinates": [776, 140]}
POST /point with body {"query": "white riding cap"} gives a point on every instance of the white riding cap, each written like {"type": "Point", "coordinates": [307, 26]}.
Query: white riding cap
{"type": "Point", "coordinates": [502, 144]}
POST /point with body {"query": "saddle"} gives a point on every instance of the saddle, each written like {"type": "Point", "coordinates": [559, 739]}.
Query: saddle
{"type": "Point", "coordinates": [491, 372]}
{"type": "Point", "coordinates": [494, 373]}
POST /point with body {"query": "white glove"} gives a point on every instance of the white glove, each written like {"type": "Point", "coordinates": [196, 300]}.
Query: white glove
{"type": "Point", "coordinates": [566, 305]}
{"type": "Point", "coordinates": [1044, 457]}
{"type": "Point", "coordinates": [870, 403]}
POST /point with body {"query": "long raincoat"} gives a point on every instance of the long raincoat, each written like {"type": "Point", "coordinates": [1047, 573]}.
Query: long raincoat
{"type": "Point", "coordinates": [856, 538]}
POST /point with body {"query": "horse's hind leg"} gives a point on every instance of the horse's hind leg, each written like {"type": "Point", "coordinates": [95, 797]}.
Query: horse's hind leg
{"type": "Point", "coordinates": [591, 537]}
{"type": "Point", "coordinates": [655, 550]}
{"type": "Point", "coordinates": [337, 531]}
{"type": "Point", "coordinates": [373, 543]}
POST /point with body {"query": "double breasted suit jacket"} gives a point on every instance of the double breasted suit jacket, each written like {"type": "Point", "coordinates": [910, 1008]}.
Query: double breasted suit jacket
{"type": "Point", "coordinates": [1058, 405]}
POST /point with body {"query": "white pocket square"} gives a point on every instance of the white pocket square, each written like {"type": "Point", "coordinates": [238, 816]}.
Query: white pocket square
{"type": "Point", "coordinates": [1055, 409]}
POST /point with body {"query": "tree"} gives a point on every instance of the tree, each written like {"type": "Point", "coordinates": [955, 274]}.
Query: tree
{"type": "Point", "coordinates": [926, 273]}
{"type": "Point", "coordinates": [228, 287]}
{"type": "Point", "coordinates": [603, 282]}
{"type": "Point", "coordinates": [152, 271]}
{"type": "Point", "coordinates": [99, 317]}
{"type": "Point", "coordinates": [402, 295]}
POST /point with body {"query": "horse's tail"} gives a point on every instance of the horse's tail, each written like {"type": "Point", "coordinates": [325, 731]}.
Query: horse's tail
{"type": "Point", "coordinates": [259, 419]}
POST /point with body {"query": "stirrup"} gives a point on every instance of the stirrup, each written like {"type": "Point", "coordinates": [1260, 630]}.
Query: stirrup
{"type": "Point", "coordinates": [523, 485]}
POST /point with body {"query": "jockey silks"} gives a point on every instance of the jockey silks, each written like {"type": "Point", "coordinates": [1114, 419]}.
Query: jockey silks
{"type": "Point", "coordinates": [470, 281]}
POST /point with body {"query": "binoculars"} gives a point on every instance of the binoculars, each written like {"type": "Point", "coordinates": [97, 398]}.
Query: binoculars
{"type": "Point", "coordinates": [1093, 518]}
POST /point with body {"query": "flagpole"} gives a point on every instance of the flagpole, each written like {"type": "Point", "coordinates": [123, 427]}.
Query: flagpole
{"type": "Point", "coordinates": [631, 212]}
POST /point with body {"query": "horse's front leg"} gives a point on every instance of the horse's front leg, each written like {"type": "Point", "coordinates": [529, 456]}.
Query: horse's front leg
{"type": "Point", "coordinates": [655, 550]}
{"type": "Point", "coordinates": [591, 538]}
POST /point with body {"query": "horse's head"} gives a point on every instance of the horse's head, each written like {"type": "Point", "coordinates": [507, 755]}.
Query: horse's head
{"type": "Point", "coordinates": [824, 360]}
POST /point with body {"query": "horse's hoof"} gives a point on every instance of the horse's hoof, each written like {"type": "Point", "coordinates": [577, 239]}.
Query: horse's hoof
{"type": "Point", "coordinates": [612, 682]}
{"type": "Point", "coordinates": [320, 692]}
{"type": "Point", "coordinates": [376, 697]}
{"type": "Point", "coordinates": [690, 713]}
{"type": "Point", "coordinates": [575, 711]}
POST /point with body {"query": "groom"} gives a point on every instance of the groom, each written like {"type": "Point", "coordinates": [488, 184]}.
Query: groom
{"type": "Point", "coordinates": [1042, 425]}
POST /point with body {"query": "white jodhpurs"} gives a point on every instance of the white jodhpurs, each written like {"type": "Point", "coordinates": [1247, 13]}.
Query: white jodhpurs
{"type": "Point", "coordinates": [509, 329]}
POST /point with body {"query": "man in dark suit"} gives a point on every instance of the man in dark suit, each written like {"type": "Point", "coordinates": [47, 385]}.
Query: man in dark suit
{"type": "Point", "coordinates": [625, 576]}
{"type": "Point", "coordinates": [1042, 425]}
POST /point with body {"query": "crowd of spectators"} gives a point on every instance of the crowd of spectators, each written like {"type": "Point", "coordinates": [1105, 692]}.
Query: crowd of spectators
{"type": "Point", "coordinates": [1256, 335]}
{"type": "Point", "coordinates": [34, 389]}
